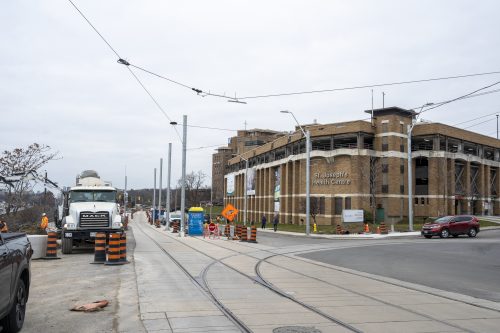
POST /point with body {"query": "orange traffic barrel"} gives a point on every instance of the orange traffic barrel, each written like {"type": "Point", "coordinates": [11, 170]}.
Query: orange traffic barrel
{"type": "Point", "coordinates": [114, 250]}
{"type": "Point", "coordinates": [123, 248]}
{"type": "Point", "coordinates": [238, 230]}
{"type": "Point", "coordinates": [100, 248]}
{"type": "Point", "coordinates": [244, 234]}
{"type": "Point", "coordinates": [253, 234]}
{"type": "Point", "coordinates": [175, 227]}
{"type": "Point", "coordinates": [227, 230]}
{"type": "Point", "coordinates": [383, 228]}
{"type": "Point", "coordinates": [51, 246]}
{"type": "Point", "coordinates": [339, 229]}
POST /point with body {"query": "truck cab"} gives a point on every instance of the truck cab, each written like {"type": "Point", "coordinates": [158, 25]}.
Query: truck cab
{"type": "Point", "coordinates": [88, 208]}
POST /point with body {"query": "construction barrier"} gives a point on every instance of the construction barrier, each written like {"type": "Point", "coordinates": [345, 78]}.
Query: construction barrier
{"type": "Point", "coordinates": [339, 229]}
{"type": "Point", "coordinates": [51, 246]}
{"type": "Point", "coordinates": [123, 248]}
{"type": "Point", "coordinates": [227, 230]}
{"type": "Point", "coordinates": [175, 227]}
{"type": "Point", "coordinates": [383, 228]}
{"type": "Point", "coordinates": [114, 250]}
{"type": "Point", "coordinates": [244, 234]}
{"type": "Point", "coordinates": [100, 248]}
{"type": "Point", "coordinates": [367, 228]}
{"type": "Point", "coordinates": [253, 234]}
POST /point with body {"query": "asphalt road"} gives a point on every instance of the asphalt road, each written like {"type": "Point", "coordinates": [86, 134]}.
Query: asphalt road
{"type": "Point", "coordinates": [469, 266]}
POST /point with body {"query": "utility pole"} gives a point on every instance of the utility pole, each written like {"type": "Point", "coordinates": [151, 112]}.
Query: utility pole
{"type": "Point", "coordinates": [154, 197]}
{"type": "Point", "coordinates": [167, 203]}
{"type": "Point", "coordinates": [183, 191]}
{"type": "Point", "coordinates": [383, 100]}
{"type": "Point", "coordinates": [159, 194]}
{"type": "Point", "coordinates": [497, 127]}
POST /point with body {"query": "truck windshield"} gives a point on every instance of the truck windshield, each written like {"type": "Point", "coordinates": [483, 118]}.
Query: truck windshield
{"type": "Point", "coordinates": [92, 196]}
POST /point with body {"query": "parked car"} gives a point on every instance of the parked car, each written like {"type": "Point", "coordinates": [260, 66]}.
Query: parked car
{"type": "Point", "coordinates": [15, 259]}
{"type": "Point", "coordinates": [451, 225]}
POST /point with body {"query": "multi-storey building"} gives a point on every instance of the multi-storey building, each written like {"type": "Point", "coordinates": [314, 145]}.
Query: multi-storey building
{"type": "Point", "coordinates": [364, 165]}
{"type": "Point", "coordinates": [244, 141]}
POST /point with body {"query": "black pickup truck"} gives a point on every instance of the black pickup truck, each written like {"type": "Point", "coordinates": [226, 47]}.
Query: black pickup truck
{"type": "Point", "coordinates": [15, 275]}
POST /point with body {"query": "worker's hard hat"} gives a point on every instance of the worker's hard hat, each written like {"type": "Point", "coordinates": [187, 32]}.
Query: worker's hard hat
{"type": "Point", "coordinates": [44, 214]}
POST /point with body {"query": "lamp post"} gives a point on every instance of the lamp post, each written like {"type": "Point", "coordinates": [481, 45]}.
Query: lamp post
{"type": "Point", "coordinates": [307, 134]}
{"type": "Point", "coordinates": [410, 168]}
{"type": "Point", "coordinates": [183, 180]}
{"type": "Point", "coordinates": [167, 203]}
{"type": "Point", "coordinates": [246, 190]}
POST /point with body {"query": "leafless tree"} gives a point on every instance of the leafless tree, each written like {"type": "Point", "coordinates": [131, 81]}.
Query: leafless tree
{"type": "Point", "coordinates": [195, 181]}
{"type": "Point", "coordinates": [21, 161]}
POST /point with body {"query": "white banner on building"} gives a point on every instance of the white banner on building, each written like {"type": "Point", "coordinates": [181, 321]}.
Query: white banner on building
{"type": "Point", "coordinates": [230, 184]}
{"type": "Point", "coordinates": [251, 181]}
{"type": "Point", "coordinates": [352, 215]}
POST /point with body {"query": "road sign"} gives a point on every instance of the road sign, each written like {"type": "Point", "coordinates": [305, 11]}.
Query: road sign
{"type": "Point", "coordinates": [230, 212]}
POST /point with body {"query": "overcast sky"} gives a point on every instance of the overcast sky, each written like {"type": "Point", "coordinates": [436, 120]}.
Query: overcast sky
{"type": "Point", "coordinates": [61, 85]}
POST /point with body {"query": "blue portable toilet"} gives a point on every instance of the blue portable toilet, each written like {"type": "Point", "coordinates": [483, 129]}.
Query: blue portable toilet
{"type": "Point", "coordinates": [195, 221]}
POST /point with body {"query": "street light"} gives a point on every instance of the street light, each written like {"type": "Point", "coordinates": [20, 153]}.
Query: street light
{"type": "Point", "coordinates": [183, 189]}
{"type": "Point", "coordinates": [246, 189]}
{"type": "Point", "coordinates": [307, 134]}
{"type": "Point", "coordinates": [410, 175]}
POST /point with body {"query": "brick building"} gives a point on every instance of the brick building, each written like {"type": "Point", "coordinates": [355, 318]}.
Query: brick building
{"type": "Point", "coordinates": [363, 165]}
{"type": "Point", "coordinates": [244, 141]}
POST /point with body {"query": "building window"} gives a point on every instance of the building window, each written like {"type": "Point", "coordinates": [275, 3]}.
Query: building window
{"type": "Point", "coordinates": [385, 127]}
{"type": "Point", "coordinates": [402, 189]}
{"type": "Point", "coordinates": [385, 143]}
{"type": "Point", "coordinates": [338, 206]}
{"type": "Point", "coordinates": [385, 165]}
{"type": "Point", "coordinates": [416, 201]}
{"type": "Point", "coordinates": [347, 203]}
{"type": "Point", "coordinates": [401, 145]}
{"type": "Point", "coordinates": [385, 188]}
{"type": "Point", "coordinates": [402, 128]}
{"type": "Point", "coordinates": [422, 201]}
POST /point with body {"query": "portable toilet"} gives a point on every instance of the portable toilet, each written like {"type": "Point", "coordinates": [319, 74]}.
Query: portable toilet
{"type": "Point", "coordinates": [196, 216]}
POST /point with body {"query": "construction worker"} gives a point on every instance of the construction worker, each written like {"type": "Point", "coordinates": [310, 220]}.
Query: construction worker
{"type": "Point", "coordinates": [44, 224]}
{"type": "Point", "coordinates": [3, 226]}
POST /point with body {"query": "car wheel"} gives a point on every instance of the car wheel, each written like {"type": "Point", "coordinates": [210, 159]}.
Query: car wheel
{"type": "Point", "coordinates": [427, 236]}
{"type": "Point", "coordinates": [444, 233]}
{"type": "Point", "coordinates": [15, 319]}
{"type": "Point", "coordinates": [472, 232]}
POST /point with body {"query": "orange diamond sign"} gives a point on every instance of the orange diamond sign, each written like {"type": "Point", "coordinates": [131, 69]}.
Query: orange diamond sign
{"type": "Point", "coordinates": [230, 212]}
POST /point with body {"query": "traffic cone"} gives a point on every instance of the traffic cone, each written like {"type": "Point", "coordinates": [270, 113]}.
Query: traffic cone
{"type": "Point", "coordinates": [367, 228]}
{"type": "Point", "coordinates": [378, 230]}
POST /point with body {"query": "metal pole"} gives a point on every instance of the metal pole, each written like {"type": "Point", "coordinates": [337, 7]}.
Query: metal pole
{"type": "Point", "coordinates": [308, 182]}
{"type": "Point", "coordinates": [497, 127]}
{"type": "Point", "coordinates": [159, 194]}
{"type": "Point", "coordinates": [246, 195]}
{"type": "Point", "coordinates": [154, 198]}
{"type": "Point", "coordinates": [410, 180]}
{"type": "Point", "coordinates": [125, 197]}
{"type": "Point", "coordinates": [183, 191]}
{"type": "Point", "coordinates": [167, 203]}
{"type": "Point", "coordinates": [211, 201]}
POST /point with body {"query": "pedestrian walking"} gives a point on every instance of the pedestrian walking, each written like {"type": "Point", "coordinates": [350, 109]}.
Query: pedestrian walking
{"type": "Point", "coordinates": [264, 221]}
{"type": "Point", "coordinates": [275, 222]}
{"type": "Point", "coordinates": [44, 224]}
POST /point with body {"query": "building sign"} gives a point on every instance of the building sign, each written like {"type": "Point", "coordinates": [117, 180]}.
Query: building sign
{"type": "Point", "coordinates": [331, 178]}
{"type": "Point", "coordinates": [251, 181]}
{"type": "Point", "coordinates": [352, 215]}
{"type": "Point", "coordinates": [277, 185]}
{"type": "Point", "coordinates": [230, 184]}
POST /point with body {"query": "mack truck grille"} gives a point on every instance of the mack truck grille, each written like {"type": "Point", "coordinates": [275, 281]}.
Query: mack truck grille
{"type": "Point", "coordinates": [94, 220]}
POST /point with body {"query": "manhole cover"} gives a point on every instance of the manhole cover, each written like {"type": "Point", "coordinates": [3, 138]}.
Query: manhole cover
{"type": "Point", "coordinates": [296, 329]}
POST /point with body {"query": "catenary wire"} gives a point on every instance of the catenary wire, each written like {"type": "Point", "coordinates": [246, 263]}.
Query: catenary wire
{"type": "Point", "coordinates": [468, 121]}
{"type": "Point", "coordinates": [482, 122]}
{"type": "Point", "coordinates": [131, 72]}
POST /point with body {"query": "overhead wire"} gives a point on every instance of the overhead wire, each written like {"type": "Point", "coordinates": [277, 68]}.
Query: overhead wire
{"type": "Point", "coordinates": [125, 62]}
{"type": "Point", "coordinates": [468, 121]}
{"type": "Point", "coordinates": [482, 122]}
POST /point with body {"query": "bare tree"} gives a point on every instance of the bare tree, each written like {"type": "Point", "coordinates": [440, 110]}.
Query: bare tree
{"type": "Point", "coordinates": [195, 181]}
{"type": "Point", "coordinates": [22, 161]}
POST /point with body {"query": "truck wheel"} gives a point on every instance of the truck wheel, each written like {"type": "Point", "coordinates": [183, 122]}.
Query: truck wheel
{"type": "Point", "coordinates": [67, 245]}
{"type": "Point", "coordinates": [15, 319]}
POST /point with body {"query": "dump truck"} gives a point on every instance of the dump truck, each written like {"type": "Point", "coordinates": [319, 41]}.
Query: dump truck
{"type": "Point", "coordinates": [87, 208]}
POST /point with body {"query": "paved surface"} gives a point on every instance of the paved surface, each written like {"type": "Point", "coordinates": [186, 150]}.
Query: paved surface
{"type": "Point", "coordinates": [190, 284]}
{"type": "Point", "coordinates": [463, 265]}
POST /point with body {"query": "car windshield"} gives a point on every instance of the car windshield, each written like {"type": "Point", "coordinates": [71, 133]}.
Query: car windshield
{"type": "Point", "coordinates": [92, 196]}
{"type": "Point", "coordinates": [443, 219]}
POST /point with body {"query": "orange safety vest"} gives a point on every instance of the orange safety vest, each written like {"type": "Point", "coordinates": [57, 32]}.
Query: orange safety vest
{"type": "Point", "coordinates": [45, 222]}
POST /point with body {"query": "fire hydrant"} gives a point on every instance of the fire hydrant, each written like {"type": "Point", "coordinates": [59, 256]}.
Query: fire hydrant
{"type": "Point", "coordinates": [315, 229]}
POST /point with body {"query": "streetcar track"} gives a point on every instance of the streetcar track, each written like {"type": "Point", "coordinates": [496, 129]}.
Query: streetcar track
{"type": "Point", "coordinates": [293, 255]}
{"type": "Point", "coordinates": [257, 280]}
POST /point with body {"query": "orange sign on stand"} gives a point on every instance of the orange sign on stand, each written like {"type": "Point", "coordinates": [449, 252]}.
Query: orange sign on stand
{"type": "Point", "coordinates": [230, 212]}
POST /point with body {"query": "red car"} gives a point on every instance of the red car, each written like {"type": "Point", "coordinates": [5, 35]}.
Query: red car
{"type": "Point", "coordinates": [451, 225]}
